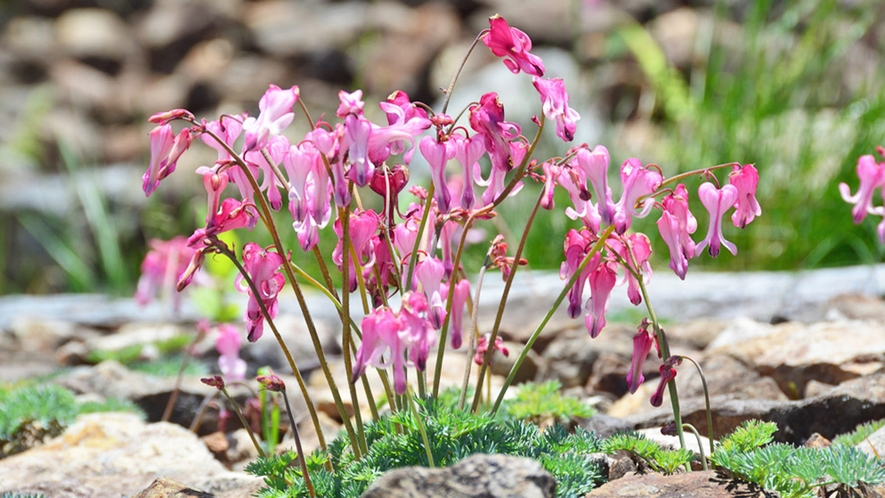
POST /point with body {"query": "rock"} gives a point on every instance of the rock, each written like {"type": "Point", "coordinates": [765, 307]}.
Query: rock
{"type": "Point", "coordinates": [41, 335]}
{"type": "Point", "coordinates": [92, 33]}
{"type": "Point", "coordinates": [793, 353]}
{"type": "Point", "coordinates": [231, 448]}
{"type": "Point", "coordinates": [836, 412]}
{"type": "Point", "coordinates": [875, 444]}
{"type": "Point", "coordinates": [696, 484]}
{"type": "Point", "coordinates": [488, 476]}
{"type": "Point", "coordinates": [570, 356]}
{"type": "Point", "coordinates": [168, 488]}
{"type": "Point", "coordinates": [676, 32]}
{"type": "Point", "coordinates": [108, 455]}
{"type": "Point", "coordinates": [531, 365]}
{"type": "Point", "coordinates": [319, 25]}
{"type": "Point", "coordinates": [672, 442]}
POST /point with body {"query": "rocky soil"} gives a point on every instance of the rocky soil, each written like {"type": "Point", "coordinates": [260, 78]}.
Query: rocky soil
{"type": "Point", "coordinates": [813, 367]}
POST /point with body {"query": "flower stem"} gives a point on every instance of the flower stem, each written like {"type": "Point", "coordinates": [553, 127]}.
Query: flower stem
{"type": "Point", "coordinates": [706, 400]}
{"type": "Point", "coordinates": [504, 295]}
{"type": "Point", "coordinates": [471, 338]}
{"type": "Point", "coordinates": [451, 87]}
{"type": "Point", "coordinates": [301, 455]}
{"type": "Point", "coordinates": [243, 421]}
{"type": "Point", "coordinates": [421, 428]}
{"type": "Point", "coordinates": [537, 333]}
{"type": "Point", "coordinates": [700, 445]}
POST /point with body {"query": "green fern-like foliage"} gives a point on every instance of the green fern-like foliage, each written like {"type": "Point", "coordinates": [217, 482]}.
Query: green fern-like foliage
{"type": "Point", "coordinates": [859, 434]}
{"type": "Point", "coordinates": [395, 441]}
{"type": "Point", "coordinates": [793, 472]}
{"type": "Point", "coordinates": [659, 459]}
{"type": "Point", "coordinates": [540, 402]}
{"type": "Point", "coordinates": [32, 413]}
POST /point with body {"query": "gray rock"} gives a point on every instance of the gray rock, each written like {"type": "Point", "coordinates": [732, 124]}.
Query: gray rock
{"type": "Point", "coordinates": [106, 455]}
{"type": "Point", "coordinates": [93, 32]}
{"type": "Point", "coordinates": [695, 484]}
{"type": "Point", "coordinates": [487, 476]}
{"type": "Point", "coordinates": [838, 411]}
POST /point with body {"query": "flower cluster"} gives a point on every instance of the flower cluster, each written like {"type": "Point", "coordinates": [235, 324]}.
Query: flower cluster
{"type": "Point", "coordinates": [626, 252]}
{"type": "Point", "coordinates": [404, 256]}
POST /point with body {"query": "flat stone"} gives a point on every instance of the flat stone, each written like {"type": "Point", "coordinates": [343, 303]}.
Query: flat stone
{"type": "Point", "coordinates": [653, 485]}
{"type": "Point", "coordinates": [105, 455]}
{"type": "Point", "coordinates": [478, 476]}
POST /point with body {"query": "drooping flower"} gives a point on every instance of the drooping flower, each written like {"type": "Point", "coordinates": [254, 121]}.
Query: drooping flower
{"type": "Point", "coordinates": [594, 164]}
{"type": "Point", "coordinates": [263, 268]}
{"type": "Point", "coordinates": [602, 281]}
{"type": "Point", "coordinates": [161, 267]}
{"type": "Point", "coordinates": [429, 273]}
{"type": "Point", "coordinates": [437, 155]}
{"type": "Point", "coordinates": [634, 249]}
{"type": "Point", "coordinates": [676, 225]}
{"type": "Point", "coordinates": [166, 149]}
{"type": "Point", "coordinates": [357, 131]}
{"type": "Point", "coordinates": [227, 343]}
{"type": "Point", "coordinates": [487, 119]}
{"type": "Point", "coordinates": [872, 176]}
{"type": "Point", "coordinates": [459, 300]}
{"type": "Point", "coordinates": [554, 100]}
{"type": "Point", "coordinates": [639, 182]}
{"type": "Point", "coordinates": [482, 347]}
{"type": "Point", "coordinates": [467, 151]}
{"type": "Point", "coordinates": [746, 207]}
{"type": "Point", "coordinates": [717, 202]}
{"type": "Point", "coordinates": [514, 46]}
{"type": "Point", "coordinates": [577, 244]}
{"type": "Point", "coordinates": [363, 226]}
{"type": "Point", "coordinates": [275, 108]}
{"type": "Point", "coordinates": [668, 373]}
{"type": "Point", "coordinates": [642, 343]}
{"type": "Point", "coordinates": [350, 103]}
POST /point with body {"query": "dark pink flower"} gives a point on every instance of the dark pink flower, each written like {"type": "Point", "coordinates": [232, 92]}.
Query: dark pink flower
{"type": "Point", "coordinates": [514, 46]}
{"type": "Point", "coordinates": [602, 281]}
{"type": "Point", "coordinates": [577, 245]}
{"type": "Point", "coordinates": [747, 207]}
{"type": "Point", "coordinates": [263, 268]}
{"type": "Point", "coordinates": [487, 119]}
{"type": "Point", "coordinates": [717, 202]}
{"type": "Point", "coordinates": [668, 373]}
{"type": "Point", "coordinates": [276, 114]}
{"type": "Point", "coordinates": [482, 347]}
{"type": "Point", "coordinates": [166, 149]}
{"type": "Point", "coordinates": [554, 100]}
{"type": "Point", "coordinates": [642, 342]}
{"type": "Point", "coordinates": [676, 225]}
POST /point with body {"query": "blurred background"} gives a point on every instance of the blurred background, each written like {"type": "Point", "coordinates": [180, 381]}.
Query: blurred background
{"type": "Point", "coordinates": [795, 87]}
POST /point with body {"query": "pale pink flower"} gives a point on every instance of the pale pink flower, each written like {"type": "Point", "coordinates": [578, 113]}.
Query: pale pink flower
{"type": "Point", "coordinates": [161, 267]}
{"type": "Point", "coordinates": [263, 268]}
{"type": "Point", "coordinates": [747, 207]}
{"type": "Point", "coordinates": [275, 115]}
{"type": "Point", "coordinates": [676, 225]}
{"type": "Point", "coordinates": [554, 100]}
{"type": "Point", "coordinates": [227, 343]}
{"type": "Point", "coordinates": [166, 149]}
{"type": "Point", "coordinates": [642, 343]}
{"type": "Point", "coordinates": [482, 347]}
{"type": "Point", "coordinates": [717, 202]}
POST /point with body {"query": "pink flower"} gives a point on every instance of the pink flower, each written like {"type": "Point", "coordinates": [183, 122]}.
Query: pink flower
{"type": "Point", "coordinates": [350, 103]}
{"type": "Point", "coordinates": [676, 225]}
{"type": "Point", "coordinates": [429, 273]}
{"type": "Point", "coordinates": [482, 347]}
{"type": "Point", "coordinates": [227, 343]}
{"type": "Point", "coordinates": [276, 114]}
{"type": "Point", "coordinates": [602, 281]}
{"type": "Point", "coordinates": [642, 342]}
{"type": "Point", "coordinates": [635, 249]}
{"type": "Point", "coordinates": [405, 122]}
{"type": "Point", "coordinates": [263, 268]}
{"type": "Point", "coordinates": [872, 176]}
{"type": "Point", "coordinates": [437, 155]}
{"type": "Point", "coordinates": [554, 100]}
{"type": "Point", "coordinates": [668, 373]}
{"type": "Point", "coordinates": [166, 149]}
{"type": "Point", "coordinates": [595, 167]}
{"type": "Point", "coordinates": [487, 119]}
{"type": "Point", "coordinates": [577, 244]}
{"type": "Point", "coordinates": [462, 292]}
{"type": "Point", "coordinates": [639, 182]}
{"type": "Point", "coordinates": [362, 227]}
{"type": "Point", "coordinates": [747, 207]}
{"type": "Point", "coordinates": [514, 46]}
{"type": "Point", "coordinates": [717, 202]}
{"type": "Point", "coordinates": [357, 131]}
{"type": "Point", "coordinates": [383, 331]}
{"type": "Point", "coordinates": [162, 265]}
